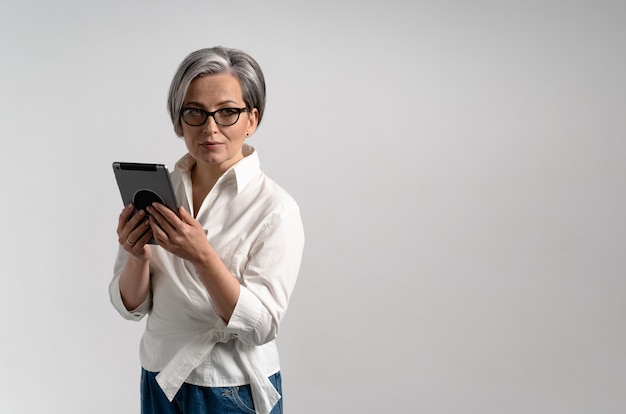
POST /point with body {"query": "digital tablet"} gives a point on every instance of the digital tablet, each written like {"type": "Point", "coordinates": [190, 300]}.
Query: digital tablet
{"type": "Point", "coordinates": [143, 184]}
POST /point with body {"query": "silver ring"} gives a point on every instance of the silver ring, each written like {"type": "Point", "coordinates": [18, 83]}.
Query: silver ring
{"type": "Point", "coordinates": [130, 242]}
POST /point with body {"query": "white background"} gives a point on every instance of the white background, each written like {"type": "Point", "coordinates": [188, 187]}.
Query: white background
{"type": "Point", "coordinates": [460, 166]}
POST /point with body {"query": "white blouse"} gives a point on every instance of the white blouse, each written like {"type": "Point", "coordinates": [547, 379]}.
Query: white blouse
{"type": "Point", "coordinates": [255, 227]}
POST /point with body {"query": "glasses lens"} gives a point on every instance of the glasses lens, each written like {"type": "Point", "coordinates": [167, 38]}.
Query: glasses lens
{"type": "Point", "coordinates": [194, 117]}
{"type": "Point", "coordinates": [227, 116]}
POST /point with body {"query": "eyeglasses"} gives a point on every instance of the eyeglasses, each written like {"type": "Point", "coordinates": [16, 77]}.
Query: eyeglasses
{"type": "Point", "coordinates": [222, 117]}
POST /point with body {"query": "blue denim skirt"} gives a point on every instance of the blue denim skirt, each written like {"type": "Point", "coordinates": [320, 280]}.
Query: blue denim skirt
{"type": "Point", "coordinates": [192, 399]}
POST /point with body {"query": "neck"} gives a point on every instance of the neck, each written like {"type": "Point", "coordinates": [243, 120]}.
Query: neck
{"type": "Point", "coordinates": [205, 176]}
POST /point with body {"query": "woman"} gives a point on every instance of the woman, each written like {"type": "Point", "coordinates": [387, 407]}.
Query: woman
{"type": "Point", "coordinates": [217, 283]}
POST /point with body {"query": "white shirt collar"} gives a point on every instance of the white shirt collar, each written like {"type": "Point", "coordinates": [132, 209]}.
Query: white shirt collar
{"type": "Point", "coordinates": [243, 171]}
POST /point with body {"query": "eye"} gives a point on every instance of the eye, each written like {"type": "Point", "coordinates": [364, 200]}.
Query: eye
{"type": "Point", "coordinates": [194, 116]}
{"type": "Point", "coordinates": [229, 111]}
{"type": "Point", "coordinates": [192, 112]}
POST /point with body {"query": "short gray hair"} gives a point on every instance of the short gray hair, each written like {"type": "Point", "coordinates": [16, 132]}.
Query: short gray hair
{"type": "Point", "coordinates": [212, 61]}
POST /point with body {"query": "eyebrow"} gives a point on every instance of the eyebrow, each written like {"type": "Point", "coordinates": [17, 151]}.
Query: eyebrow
{"type": "Point", "coordinates": [201, 105]}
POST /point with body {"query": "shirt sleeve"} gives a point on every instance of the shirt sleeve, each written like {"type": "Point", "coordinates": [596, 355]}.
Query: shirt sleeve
{"type": "Point", "coordinates": [269, 278]}
{"type": "Point", "coordinates": [116, 296]}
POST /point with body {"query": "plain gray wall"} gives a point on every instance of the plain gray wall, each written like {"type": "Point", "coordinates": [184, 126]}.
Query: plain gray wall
{"type": "Point", "coordinates": [460, 166]}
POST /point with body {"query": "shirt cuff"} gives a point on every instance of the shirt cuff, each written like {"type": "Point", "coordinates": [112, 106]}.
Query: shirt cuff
{"type": "Point", "coordinates": [116, 299]}
{"type": "Point", "coordinates": [246, 315]}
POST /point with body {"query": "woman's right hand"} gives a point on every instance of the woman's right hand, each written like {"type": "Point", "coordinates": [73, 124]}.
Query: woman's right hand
{"type": "Point", "coordinates": [134, 232]}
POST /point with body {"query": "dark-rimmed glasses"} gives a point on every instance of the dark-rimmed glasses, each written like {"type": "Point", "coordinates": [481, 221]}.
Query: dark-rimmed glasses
{"type": "Point", "coordinates": [222, 117]}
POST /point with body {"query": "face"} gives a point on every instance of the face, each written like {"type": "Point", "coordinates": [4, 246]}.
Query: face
{"type": "Point", "coordinates": [216, 148]}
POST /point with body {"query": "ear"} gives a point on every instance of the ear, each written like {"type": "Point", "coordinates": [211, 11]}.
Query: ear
{"type": "Point", "coordinates": [253, 121]}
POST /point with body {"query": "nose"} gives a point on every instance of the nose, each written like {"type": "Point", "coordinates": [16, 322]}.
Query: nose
{"type": "Point", "coordinates": [210, 125]}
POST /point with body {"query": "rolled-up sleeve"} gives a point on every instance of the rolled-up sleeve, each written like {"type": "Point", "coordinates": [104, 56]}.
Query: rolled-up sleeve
{"type": "Point", "coordinates": [116, 296]}
{"type": "Point", "coordinates": [269, 278]}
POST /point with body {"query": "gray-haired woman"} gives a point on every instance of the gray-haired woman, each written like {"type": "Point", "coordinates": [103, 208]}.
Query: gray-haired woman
{"type": "Point", "coordinates": [217, 283]}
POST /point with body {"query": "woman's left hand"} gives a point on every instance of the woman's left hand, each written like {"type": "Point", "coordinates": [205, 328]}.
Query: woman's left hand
{"type": "Point", "coordinates": [182, 236]}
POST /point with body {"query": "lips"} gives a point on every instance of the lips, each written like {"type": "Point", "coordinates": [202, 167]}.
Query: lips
{"type": "Point", "coordinates": [211, 144]}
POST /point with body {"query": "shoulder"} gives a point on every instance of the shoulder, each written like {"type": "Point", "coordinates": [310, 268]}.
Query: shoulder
{"type": "Point", "coordinates": [278, 213]}
{"type": "Point", "coordinates": [274, 195]}
{"type": "Point", "coordinates": [269, 205]}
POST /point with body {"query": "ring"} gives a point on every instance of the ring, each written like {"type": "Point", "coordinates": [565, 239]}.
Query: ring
{"type": "Point", "coordinates": [130, 242]}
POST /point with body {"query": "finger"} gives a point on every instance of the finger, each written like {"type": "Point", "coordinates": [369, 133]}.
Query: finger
{"type": "Point", "coordinates": [128, 220]}
{"type": "Point", "coordinates": [130, 236]}
{"type": "Point", "coordinates": [131, 224]}
{"type": "Point", "coordinates": [166, 212]}
{"type": "Point", "coordinates": [143, 239]}
{"type": "Point", "coordinates": [165, 217]}
{"type": "Point", "coordinates": [140, 248]}
{"type": "Point", "coordinates": [136, 220]}
{"type": "Point", "coordinates": [160, 235]}
{"type": "Point", "coordinates": [125, 227]}
{"type": "Point", "coordinates": [186, 216]}
{"type": "Point", "coordinates": [139, 230]}
{"type": "Point", "coordinates": [124, 215]}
